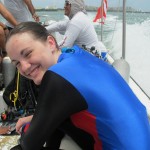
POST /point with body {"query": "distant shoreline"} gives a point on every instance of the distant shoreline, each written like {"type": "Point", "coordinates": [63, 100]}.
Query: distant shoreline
{"type": "Point", "coordinates": [110, 10]}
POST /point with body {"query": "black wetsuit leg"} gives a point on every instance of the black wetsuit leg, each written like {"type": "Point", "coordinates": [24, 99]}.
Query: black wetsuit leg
{"type": "Point", "coordinates": [82, 138]}
{"type": "Point", "coordinates": [54, 141]}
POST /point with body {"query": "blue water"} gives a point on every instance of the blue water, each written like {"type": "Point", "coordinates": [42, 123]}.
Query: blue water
{"type": "Point", "coordinates": [137, 40]}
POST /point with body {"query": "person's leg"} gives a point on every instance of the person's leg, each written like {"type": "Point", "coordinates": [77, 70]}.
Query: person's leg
{"type": "Point", "coordinates": [1, 56]}
{"type": "Point", "coordinates": [54, 142]}
{"type": "Point", "coordinates": [82, 138]}
{"type": "Point", "coordinates": [2, 46]}
{"type": "Point", "coordinates": [2, 38]}
{"type": "Point", "coordinates": [1, 59]}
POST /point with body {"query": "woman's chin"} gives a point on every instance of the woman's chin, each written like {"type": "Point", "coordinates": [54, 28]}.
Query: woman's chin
{"type": "Point", "coordinates": [37, 82]}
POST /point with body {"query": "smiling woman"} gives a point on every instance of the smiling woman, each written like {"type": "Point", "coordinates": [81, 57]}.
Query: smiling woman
{"type": "Point", "coordinates": [28, 66]}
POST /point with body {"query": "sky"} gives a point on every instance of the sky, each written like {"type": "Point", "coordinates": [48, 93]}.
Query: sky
{"type": "Point", "coordinates": [137, 4]}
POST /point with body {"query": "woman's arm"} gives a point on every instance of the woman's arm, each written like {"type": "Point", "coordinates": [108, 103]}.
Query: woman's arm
{"type": "Point", "coordinates": [58, 99]}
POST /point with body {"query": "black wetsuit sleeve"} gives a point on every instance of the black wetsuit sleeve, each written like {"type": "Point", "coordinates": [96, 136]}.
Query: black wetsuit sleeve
{"type": "Point", "coordinates": [58, 99]}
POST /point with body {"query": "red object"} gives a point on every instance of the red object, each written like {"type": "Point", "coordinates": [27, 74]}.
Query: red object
{"type": "Point", "coordinates": [101, 12]}
{"type": "Point", "coordinates": [79, 120]}
{"type": "Point", "coordinates": [4, 116]}
{"type": "Point", "coordinates": [25, 127]}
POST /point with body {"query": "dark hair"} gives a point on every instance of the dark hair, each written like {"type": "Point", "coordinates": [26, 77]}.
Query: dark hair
{"type": "Point", "coordinates": [37, 30]}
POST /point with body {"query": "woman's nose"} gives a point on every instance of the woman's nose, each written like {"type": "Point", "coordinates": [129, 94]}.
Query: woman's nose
{"type": "Point", "coordinates": [25, 67]}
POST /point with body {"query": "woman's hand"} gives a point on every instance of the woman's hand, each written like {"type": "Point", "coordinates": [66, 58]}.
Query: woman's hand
{"type": "Point", "coordinates": [21, 122]}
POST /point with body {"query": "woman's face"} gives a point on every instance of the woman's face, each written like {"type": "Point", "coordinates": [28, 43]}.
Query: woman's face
{"type": "Point", "coordinates": [31, 56]}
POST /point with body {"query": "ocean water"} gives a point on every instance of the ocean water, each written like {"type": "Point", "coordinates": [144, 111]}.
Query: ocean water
{"type": "Point", "coordinates": [137, 44]}
{"type": "Point", "coordinates": [137, 40]}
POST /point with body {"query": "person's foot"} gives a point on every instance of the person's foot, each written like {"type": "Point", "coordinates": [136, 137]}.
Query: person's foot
{"type": "Point", "coordinates": [4, 130]}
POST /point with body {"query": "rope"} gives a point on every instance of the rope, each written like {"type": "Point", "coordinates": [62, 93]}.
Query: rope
{"type": "Point", "coordinates": [14, 96]}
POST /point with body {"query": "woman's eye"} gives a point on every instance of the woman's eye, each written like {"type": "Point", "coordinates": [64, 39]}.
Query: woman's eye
{"type": "Point", "coordinates": [27, 54]}
{"type": "Point", "coordinates": [17, 64]}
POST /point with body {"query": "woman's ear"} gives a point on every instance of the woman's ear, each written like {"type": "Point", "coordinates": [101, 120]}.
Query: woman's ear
{"type": "Point", "coordinates": [51, 41]}
{"type": "Point", "coordinates": [52, 44]}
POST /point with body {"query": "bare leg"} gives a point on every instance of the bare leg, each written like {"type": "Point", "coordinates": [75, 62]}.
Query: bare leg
{"type": "Point", "coordinates": [2, 46]}
{"type": "Point", "coordinates": [4, 130]}
{"type": "Point", "coordinates": [2, 38]}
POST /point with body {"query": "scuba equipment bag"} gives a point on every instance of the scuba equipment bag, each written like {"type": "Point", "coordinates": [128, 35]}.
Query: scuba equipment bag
{"type": "Point", "coordinates": [20, 95]}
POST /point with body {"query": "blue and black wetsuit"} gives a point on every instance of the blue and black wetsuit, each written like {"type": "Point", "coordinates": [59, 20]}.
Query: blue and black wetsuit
{"type": "Point", "coordinates": [98, 100]}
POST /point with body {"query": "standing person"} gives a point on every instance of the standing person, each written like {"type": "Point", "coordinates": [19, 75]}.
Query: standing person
{"type": "Point", "coordinates": [3, 30]}
{"type": "Point", "coordinates": [74, 83]}
{"type": "Point", "coordinates": [78, 29]}
{"type": "Point", "coordinates": [22, 10]}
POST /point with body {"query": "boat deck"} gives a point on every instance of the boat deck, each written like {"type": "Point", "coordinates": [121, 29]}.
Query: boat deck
{"type": "Point", "coordinates": [7, 142]}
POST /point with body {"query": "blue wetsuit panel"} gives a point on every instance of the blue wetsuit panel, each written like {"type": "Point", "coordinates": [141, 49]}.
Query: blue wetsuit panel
{"type": "Point", "coordinates": [121, 119]}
